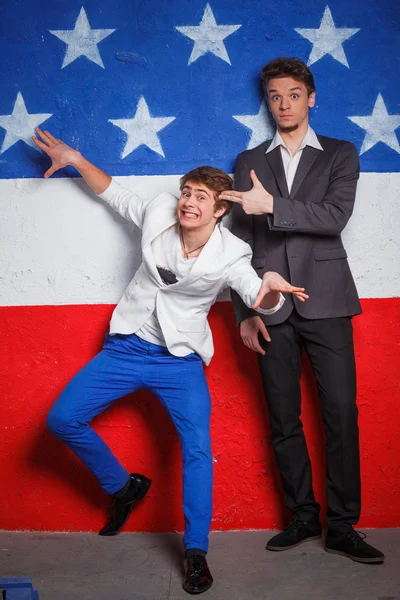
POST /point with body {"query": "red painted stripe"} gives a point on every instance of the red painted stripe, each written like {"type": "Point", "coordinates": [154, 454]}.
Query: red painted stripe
{"type": "Point", "coordinates": [45, 488]}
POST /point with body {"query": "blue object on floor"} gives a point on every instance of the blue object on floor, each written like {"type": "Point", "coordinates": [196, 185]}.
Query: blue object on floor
{"type": "Point", "coordinates": [18, 588]}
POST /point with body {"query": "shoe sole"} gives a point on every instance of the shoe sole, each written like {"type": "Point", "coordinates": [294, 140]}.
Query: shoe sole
{"type": "Point", "coordinates": [355, 558]}
{"type": "Point", "coordinates": [280, 549]}
{"type": "Point", "coordinates": [143, 491]}
{"type": "Point", "coordinates": [197, 591]}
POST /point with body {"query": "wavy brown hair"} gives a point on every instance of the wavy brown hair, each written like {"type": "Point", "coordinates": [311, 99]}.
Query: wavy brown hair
{"type": "Point", "coordinates": [284, 66]}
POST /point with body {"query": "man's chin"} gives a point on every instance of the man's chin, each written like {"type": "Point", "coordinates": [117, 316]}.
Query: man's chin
{"type": "Point", "coordinates": [288, 128]}
{"type": "Point", "coordinates": [186, 224]}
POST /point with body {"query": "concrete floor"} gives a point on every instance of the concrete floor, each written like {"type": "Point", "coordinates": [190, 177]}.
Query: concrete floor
{"type": "Point", "coordinates": [132, 566]}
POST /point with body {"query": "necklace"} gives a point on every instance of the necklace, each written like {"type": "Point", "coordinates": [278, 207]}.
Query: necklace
{"type": "Point", "coordinates": [187, 252]}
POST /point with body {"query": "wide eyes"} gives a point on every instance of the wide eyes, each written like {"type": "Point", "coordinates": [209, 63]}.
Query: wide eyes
{"type": "Point", "coordinates": [277, 98]}
{"type": "Point", "coordinates": [187, 195]}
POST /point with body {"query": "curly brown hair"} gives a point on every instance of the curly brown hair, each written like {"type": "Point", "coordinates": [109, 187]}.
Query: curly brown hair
{"type": "Point", "coordinates": [284, 66]}
{"type": "Point", "coordinates": [215, 179]}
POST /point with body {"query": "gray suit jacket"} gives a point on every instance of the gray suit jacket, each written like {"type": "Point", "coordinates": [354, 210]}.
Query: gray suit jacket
{"type": "Point", "coordinates": [302, 240]}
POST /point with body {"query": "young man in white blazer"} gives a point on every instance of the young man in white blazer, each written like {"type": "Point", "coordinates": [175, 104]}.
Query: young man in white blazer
{"type": "Point", "coordinates": [159, 336]}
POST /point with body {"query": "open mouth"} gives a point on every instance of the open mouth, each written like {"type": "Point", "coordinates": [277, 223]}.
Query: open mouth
{"type": "Point", "coordinates": [190, 216]}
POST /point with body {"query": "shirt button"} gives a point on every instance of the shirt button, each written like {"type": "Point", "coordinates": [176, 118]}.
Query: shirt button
{"type": "Point", "coordinates": [149, 307]}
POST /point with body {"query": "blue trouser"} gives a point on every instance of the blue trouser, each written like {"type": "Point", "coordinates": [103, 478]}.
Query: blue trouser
{"type": "Point", "coordinates": [126, 364]}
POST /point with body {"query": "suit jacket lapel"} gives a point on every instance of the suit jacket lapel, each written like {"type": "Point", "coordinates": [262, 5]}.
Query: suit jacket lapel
{"type": "Point", "coordinates": [275, 161]}
{"type": "Point", "coordinates": [155, 228]}
{"type": "Point", "coordinates": [148, 235]}
{"type": "Point", "coordinates": [307, 159]}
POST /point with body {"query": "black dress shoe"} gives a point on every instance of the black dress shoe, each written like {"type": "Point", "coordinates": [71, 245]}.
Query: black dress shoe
{"type": "Point", "coordinates": [121, 506]}
{"type": "Point", "coordinates": [198, 578]}
{"type": "Point", "coordinates": [297, 532]}
{"type": "Point", "coordinates": [352, 545]}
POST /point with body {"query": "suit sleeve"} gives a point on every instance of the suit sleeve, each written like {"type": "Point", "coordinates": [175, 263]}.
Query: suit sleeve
{"type": "Point", "coordinates": [330, 216]}
{"type": "Point", "coordinates": [128, 204]}
{"type": "Point", "coordinates": [241, 225]}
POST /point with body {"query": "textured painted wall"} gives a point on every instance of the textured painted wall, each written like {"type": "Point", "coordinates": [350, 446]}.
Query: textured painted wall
{"type": "Point", "coordinates": [95, 251]}
{"type": "Point", "coordinates": [148, 89]}
{"type": "Point", "coordinates": [48, 489]}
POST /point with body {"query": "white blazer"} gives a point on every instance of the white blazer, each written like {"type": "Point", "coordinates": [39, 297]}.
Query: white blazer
{"type": "Point", "coordinates": [182, 307]}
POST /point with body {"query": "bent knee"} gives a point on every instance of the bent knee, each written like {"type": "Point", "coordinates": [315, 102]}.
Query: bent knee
{"type": "Point", "coordinates": [59, 422]}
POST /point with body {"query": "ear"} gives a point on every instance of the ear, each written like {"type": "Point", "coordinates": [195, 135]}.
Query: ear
{"type": "Point", "coordinates": [220, 212]}
{"type": "Point", "coordinates": [311, 100]}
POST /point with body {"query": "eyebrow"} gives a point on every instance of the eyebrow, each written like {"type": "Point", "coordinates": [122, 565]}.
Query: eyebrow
{"type": "Point", "coordinates": [290, 90]}
{"type": "Point", "coordinates": [188, 187]}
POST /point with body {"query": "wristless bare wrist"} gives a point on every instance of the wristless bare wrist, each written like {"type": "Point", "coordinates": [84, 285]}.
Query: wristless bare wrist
{"type": "Point", "coordinates": [78, 161]}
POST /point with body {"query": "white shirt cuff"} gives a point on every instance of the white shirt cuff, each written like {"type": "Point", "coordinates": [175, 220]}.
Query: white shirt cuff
{"type": "Point", "coordinates": [274, 309]}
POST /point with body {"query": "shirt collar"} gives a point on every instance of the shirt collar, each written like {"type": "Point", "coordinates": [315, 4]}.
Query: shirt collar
{"type": "Point", "coordinates": [310, 139]}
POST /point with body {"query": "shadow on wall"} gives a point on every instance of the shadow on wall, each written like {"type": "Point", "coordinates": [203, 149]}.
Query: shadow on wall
{"type": "Point", "coordinates": [139, 432]}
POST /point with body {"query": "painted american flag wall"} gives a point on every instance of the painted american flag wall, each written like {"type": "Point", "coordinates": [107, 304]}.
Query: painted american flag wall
{"type": "Point", "coordinates": [148, 90]}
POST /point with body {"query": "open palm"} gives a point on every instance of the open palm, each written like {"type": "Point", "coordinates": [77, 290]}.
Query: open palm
{"type": "Point", "coordinates": [61, 154]}
{"type": "Point", "coordinates": [273, 282]}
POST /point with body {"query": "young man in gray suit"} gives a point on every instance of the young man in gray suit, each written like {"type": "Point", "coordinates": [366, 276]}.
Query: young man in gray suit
{"type": "Point", "coordinates": [294, 195]}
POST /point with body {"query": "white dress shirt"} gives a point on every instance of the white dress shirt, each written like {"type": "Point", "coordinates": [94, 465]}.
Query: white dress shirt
{"type": "Point", "coordinates": [290, 163]}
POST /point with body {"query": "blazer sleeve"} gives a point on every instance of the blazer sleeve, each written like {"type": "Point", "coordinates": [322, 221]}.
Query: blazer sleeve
{"type": "Point", "coordinates": [128, 204]}
{"type": "Point", "coordinates": [241, 225]}
{"type": "Point", "coordinates": [245, 283]}
{"type": "Point", "coordinates": [330, 216]}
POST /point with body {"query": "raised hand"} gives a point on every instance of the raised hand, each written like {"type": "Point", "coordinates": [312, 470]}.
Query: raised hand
{"type": "Point", "coordinates": [273, 282]}
{"type": "Point", "coordinates": [61, 155]}
{"type": "Point", "coordinates": [256, 201]}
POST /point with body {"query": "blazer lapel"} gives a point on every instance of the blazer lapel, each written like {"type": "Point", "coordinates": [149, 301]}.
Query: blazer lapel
{"type": "Point", "coordinates": [148, 236]}
{"type": "Point", "coordinates": [275, 161]}
{"type": "Point", "coordinates": [148, 259]}
{"type": "Point", "coordinates": [155, 228]}
{"type": "Point", "coordinates": [307, 159]}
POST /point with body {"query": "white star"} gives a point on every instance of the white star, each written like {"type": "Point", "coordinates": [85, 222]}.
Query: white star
{"type": "Point", "coordinates": [260, 125]}
{"type": "Point", "coordinates": [327, 39]}
{"type": "Point", "coordinates": [142, 129]}
{"type": "Point", "coordinates": [379, 127]}
{"type": "Point", "coordinates": [20, 125]}
{"type": "Point", "coordinates": [82, 41]}
{"type": "Point", "coordinates": [208, 36]}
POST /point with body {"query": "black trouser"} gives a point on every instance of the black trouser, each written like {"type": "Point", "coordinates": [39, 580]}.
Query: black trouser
{"type": "Point", "coordinates": [329, 345]}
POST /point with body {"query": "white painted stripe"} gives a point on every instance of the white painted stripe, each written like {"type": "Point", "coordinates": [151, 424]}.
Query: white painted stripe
{"type": "Point", "coordinates": [61, 245]}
